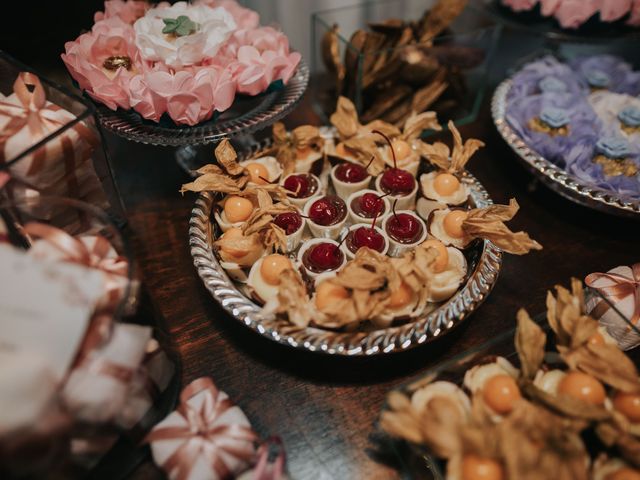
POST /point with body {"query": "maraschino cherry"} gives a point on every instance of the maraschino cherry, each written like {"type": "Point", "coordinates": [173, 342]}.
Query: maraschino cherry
{"type": "Point", "coordinates": [395, 181]}
{"type": "Point", "coordinates": [290, 222]}
{"type": "Point", "coordinates": [298, 185]}
{"type": "Point", "coordinates": [324, 257]}
{"type": "Point", "coordinates": [403, 227]}
{"type": "Point", "coordinates": [351, 172]}
{"type": "Point", "coordinates": [326, 211]}
{"type": "Point", "coordinates": [368, 237]}
{"type": "Point", "coordinates": [371, 204]}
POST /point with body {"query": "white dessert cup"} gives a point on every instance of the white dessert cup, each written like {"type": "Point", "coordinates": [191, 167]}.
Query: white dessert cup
{"type": "Point", "coordinates": [405, 202]}
{"type": "Point", "coordinates": [310, 243]}
{"type": "Point", "coordinates": [223, 223]}
{"type": "Point", "coordinates": [444, 284]}
{"type": "Point", "coordinates": [346, 189]}
{"type": "Point", "coordinates": [350, 255]}
{"type": "Point", "coordinates": [271, 164]}
{"type": "Point", "coordinates": [396, 249]}
{"type": "Point", "coordinates": [355, 218]}
{"type": "Point", "coordinates": [424, 207]}
{"type": "Point", "coordinates": [322, 231]}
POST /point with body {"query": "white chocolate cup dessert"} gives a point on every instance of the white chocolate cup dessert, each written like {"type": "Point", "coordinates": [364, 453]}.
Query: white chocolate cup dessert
{"type": "Point", "coordinates": [405, 202]}
{"type": "Point", "coordinates": [444, 284]}
{"type": "Point", "coordinates": [271, 166]}
{"type": "Point", "coordinates": [351, 255]}
{"type": "Point", "coordinates": [410, 163]}
{"type": "Point", "coordinates": [428, 186]}
{"type": "Point", "coordinates": [294, 239]}
{"type": "Point", "coordinates": [300, 202]}
{"type": "Point", "coordinates": [311, 243]}
{"type": "Point", "coordinates": [345, 189]}
{"type": "Point", "coordinates": [261, 289]}
{"type": "Point", "coordinates": [325, 231]}
{"type": "Point", "coordinates": [396, 249]}
{"type": "Point", "coordinates": [356, 218]}
{"type": "Point", "coordinates": [438, 229]}
{"type": "Point", "coordinates": [424, 207]}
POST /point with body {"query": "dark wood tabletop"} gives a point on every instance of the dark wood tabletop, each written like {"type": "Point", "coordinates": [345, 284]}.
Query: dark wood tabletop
{"type": "Point", "coordinates": [325, 408]}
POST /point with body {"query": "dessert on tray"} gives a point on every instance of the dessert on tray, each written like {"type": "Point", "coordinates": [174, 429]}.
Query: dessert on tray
{"type": "Point", "coordinates": [345, 247]}
{"type": "Point", "coordinates": [186, 61]}
{"type": "Point", "coordinates": [583, 116]}
{"type": "Point", "coordinates": [563, 409]}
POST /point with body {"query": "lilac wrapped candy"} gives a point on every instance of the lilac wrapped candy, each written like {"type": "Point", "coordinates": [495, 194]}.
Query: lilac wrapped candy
{"type": "Point", "coordinates": [612, 164]}
{"type": "Point", "coordinates": [606, 72]}
{"type": "Point", "coordinates": [552, 123]}
{"type": "Point", "coordinates": [619, 113]}
{"type": "Point", "coordinates": [547, 75]}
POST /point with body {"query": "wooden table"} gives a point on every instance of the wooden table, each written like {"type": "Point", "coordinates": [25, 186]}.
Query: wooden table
{"type": "Point", "coordinates": [325, 408]}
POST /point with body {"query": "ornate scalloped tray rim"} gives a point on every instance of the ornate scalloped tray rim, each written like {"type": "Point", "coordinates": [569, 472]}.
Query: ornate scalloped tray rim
{"type": "Point", "coordinates": [555, 177]}
{"type": "Point", "coordinates": [376, 342]}
{"type": "Point", "coordinates": [131, 126]}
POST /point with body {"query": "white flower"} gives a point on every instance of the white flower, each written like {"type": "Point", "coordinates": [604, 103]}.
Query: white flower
{"type": "Point", "coordinates": [213, 27]}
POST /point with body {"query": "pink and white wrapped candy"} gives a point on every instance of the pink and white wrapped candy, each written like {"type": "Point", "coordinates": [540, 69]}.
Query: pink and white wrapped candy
{"type": "Point", "coordinates": [206, 438]}
{"type": "Point", "coordinates": [621, 286]}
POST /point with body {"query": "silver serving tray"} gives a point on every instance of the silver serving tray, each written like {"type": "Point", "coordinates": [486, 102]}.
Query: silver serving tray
{"type": "Point", "coordinates": [553, 176]}
{"type": "Point", "coordinates": [425, 329]}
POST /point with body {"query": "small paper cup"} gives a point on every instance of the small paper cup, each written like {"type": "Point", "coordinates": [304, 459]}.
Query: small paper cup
{"type": "Point", "coordinates": [350, 255]}
{"type": "Point", "coordinates": [300, 202]}
{"type": "Point", "coordinates": [295, 238]}
{"type": "Point", "coordinates": [405, 202]}
{"type": "Point", "coordinates": [396, 249]}
{"type": "Point", "coordinates": [310, 243]}
{"type": "Point", "coordinates": [355, 218]}
{"type": "Point", "coordinates": [322, 231]}
{"type": "Point", "coordinates": [345, 189]}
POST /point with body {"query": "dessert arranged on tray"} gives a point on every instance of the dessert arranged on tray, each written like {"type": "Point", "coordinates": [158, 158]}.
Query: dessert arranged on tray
{"type": "Point", "coordinates": [583, 116]}
{"type": "Point", "coordinates": [185, 61]}
{"type": "Point", "coordinates": [563, 409]}
{"type": "Point", "coordinates": [369, 226]}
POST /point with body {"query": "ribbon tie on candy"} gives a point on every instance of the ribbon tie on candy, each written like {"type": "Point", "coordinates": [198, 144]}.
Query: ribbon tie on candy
{"type": "Point", "coordinates": [619, 287]}
{"type": "Point", "coordinates": [203, 434]}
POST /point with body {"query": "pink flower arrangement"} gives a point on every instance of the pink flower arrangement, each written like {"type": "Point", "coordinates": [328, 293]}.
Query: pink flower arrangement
{"type": "Point", "coordinates": [573, 13]}
{"type": "Point", "coordinates": [186, 60]}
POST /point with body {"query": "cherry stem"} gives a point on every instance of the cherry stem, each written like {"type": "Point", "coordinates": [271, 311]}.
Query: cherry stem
{"type": "Point", "coordinates": [380, 197]}
{"type": "Point", "coordinates": [375, 219]}
{"type": "Point", "coordinates": [373, 157]}
{"type": "Point", "coordinates": [393, 152]}
{"type": "Point", "coordinates": [341, 242]}
{"type": "Point", "coordinates": [393, 208]}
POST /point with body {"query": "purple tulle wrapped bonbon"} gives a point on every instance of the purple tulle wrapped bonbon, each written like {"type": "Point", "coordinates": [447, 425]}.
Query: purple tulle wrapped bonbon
{"type": "Point", "coordinates": [606, 72]}
{"type": "Point", "coordinates": [546, 75]}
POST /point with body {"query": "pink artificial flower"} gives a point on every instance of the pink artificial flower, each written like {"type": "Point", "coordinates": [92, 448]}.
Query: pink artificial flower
{"type": "Point", "coordinates": [127, 10]}
{"type": "Point", "coordinates": [573, 13]}
{"type": "Point", "coordinates": [245, 18]}
{"type": "Point", "coordinates": [520, 5]}
{"type": "Point", "coordinates": [188, 96]}
{"type": "Point", "coordinates": [549, 7]}
{"type": "Point", "coordinates": [612, 10]}
{"type": "Point", "coordinates": [256, 71]}
{"type": "Point", "coordinates": [634, 19]}
{"type": "Point", "coordinates": [85, 57]}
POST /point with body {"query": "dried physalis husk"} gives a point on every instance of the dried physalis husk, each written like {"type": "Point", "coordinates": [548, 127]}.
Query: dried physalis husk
{"type": "Point", "coordinates": [441, 423]}
{"type": "Point", "coordinates": [330, 47]}
{"type": "Point", "coordinates": [286, 145]}
{"type": "Point", "coordinates": [455, 160]}
{"type": "Point", "coordinates": [400, 419]}
{"type": "Point", "coordinates": [488, 223]}
{"type": "Point", "coordinates": [292, 300]}
{"type": "Point", "coordinates": [565, 405]}
{"type": "Point", "coordinates": [440, 17]}
{"type": "Point", "coordinates": [530, 342]}
{"type": "Point", "coordinates": [370, 278]}
{"type": "Point", "coordinates": [229, 177]}
{"type": "Point", "coordinates": [247, 243]}
{"type": "Point", "coordinates": [415, 268]}
{"type": "Point", "coordinates": [575, 331]}
{"type": "Point", "coordinates": [307, 136]}
{"type": "Point", "coordinates": [261, 221]}
{"type": "Point", "coordinates": [627, 444]}
{"type": "Point", "coordinates": [345, 118]}
{"type": "Point", "coordinates": [537, 444]}
{"type": "Point", "coordinates": [416, 123]}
